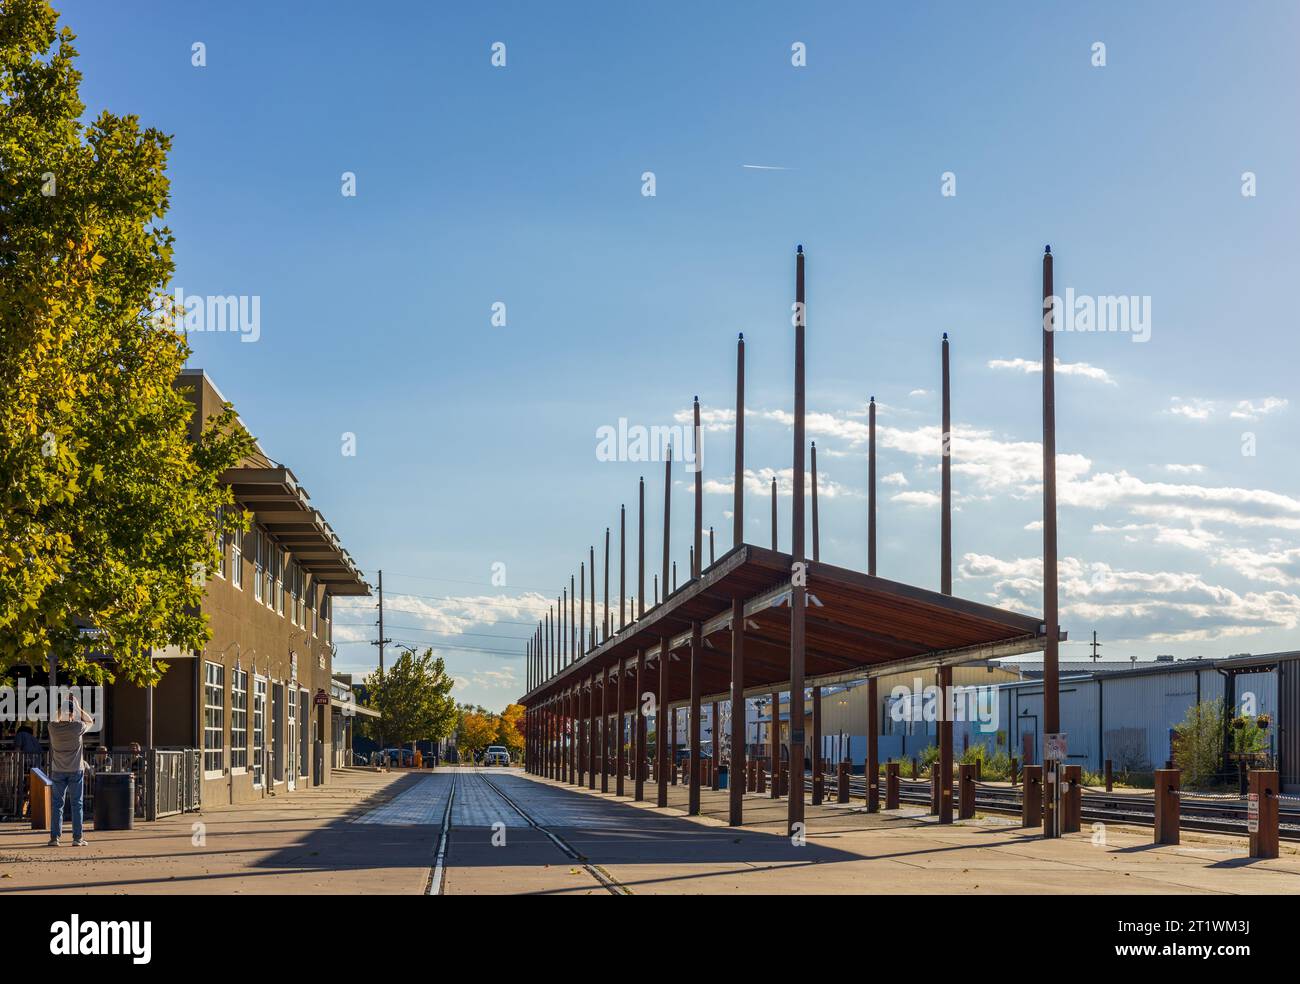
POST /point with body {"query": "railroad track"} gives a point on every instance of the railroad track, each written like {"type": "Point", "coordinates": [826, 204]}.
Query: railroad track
{"type": "Point", "coordinates": [1224, 816]}
{"type": "Point", "coordinates": [603, 877]}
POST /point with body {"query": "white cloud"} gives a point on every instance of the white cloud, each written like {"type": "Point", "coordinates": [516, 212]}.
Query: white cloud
{"type": "Point", "coordinates": [894, 478]}
{"type": "Point", "coordinates": [1195, 409]}
{"type": "Point", "coordinates": [1081, 369]}
{"type": "Point", "coordinates": [1248, 410]}
{"type": "Point", "coordinates": [919, 392]}
{"type": "Point", "coordinates": [1185, 469]}
{"type": "Point", "coordinates": [917, 498]}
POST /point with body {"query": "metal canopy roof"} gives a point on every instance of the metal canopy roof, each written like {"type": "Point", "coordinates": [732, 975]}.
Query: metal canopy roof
{"type": "Point", "coordinates": [856, 626]}
{"type": "Point", "coordinates": [283, 508]}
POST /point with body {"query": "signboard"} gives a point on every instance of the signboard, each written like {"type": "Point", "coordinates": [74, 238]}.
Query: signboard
{"type": "Point", "coordinates": [1252, 813]}
{"type": "Point", "coordinates": [322, 697]}
{"type": "Point", "coordinates": [1054, 747]}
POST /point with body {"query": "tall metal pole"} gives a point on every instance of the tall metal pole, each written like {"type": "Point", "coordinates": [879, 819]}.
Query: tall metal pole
{"type": "Point", "coordinates": [736, 774]}
{"type": "Point", "coordinates": [775, 738]}
{"type": "Point", "coordinates": [697, 691]}
{"type": "Point", "coordinates": [794, 804]}
{"type": "Point", "coordinates": [620, 754]}
{"type": "Point", "coordinates": [697, 556]}
{"type": "Point", "coordinates": [662, 719]}
{"type": "Point", "coordinates": [817, 554]}
{"type": "Point", "coordinates": [774, 512]}
{"type": "Point", "coordinates": [638, 725]}
{"type": "Point", "coordinates": [871, 488]}
{"type": "Point", "coordinates": [712, 558]}
{"type": "Point", "coordinates": [592, 637]}
{"type": "Point", "coordinates": [640, 553]}
{"type": "Point", "coordinates": [738, 493]}
{"type": "Point", "coordinates": [622, 567]}
{"type": "Point", "coordinates": [668, 506]}
{"type": "Point", "coordinates": [573, 622]}
{"type": "Point", "coordinates": [1051, 656]}
{"type": "Point", "coordinates": [582, 607]}
{"type": "Point", "coordinates": [945, 586]}
{"type": "Point", "coordinates": [605, 619]}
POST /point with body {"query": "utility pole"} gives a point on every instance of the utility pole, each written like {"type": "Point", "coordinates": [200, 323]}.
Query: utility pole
{"type": "Point", "coordinates": [381, 641]}
{"type": "Point", "coordinates": [1095, 646]}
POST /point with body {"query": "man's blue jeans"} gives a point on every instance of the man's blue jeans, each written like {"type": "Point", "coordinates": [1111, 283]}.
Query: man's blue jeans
{"type": "Point", "coordinates": [71, 784]}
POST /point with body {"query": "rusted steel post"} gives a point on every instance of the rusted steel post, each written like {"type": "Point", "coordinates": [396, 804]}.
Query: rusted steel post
{"type": "Point", "coordinates": [715, 773]}
{"type": "Point", "coordinates": [622, 567]}
{"type": "Point", "coordinates": [604, 621]}
{"type": "Point", "coordinates": [587, 750]}
{"type": "Point", "coordinates": [604, 732]}
{"type": "Point", "coordinates": [1015, 767]}
{"type": "Point", "coordinates": [1110, 775]}
{"type": "Point", "coordinates": [816, 535]}
{"type": "Point", "coordinates": [712, 558]}
{"type": "Point", "coordinates": [936, 784]}
{"type": "Point", "coordinates": [818, 782]}
{"type": "Point", "coordinates": [738, 489]}
{"type": "Point", "coordinates": [661, 724]}
{"type": "Point", "coordinates": [668, 508]}
{"type": "Point", "coordinates": [760, 781]}
{"type": "Point", "coordinates": [1262, 801]}
{"type": "Point", "coordinates": [1167, 803]}
{"type": "Point", "coordinates": [1031, 800]}
{"type": "Point", "coordinates": [785, 778]}
{"type": "Point", "coordinates": [640, 551]}
{"type": "Point", "coordinates": [891, 785]}
{"type": "Point", "coordinates": [639, 754]}
{"type": "Point", "coordinates": [774, 540]}
{"type": "Point", "coordinates": [945, 746]}
{"type": "Point", "coordinates": [573, 621]}
{"type": "Point", "coordinates": [697, 655]}
{"type": "Point", "coordinates": [945, 461]}
{"type": "Point", "coordinates": [672, 746]}
{"type": "Point", "coordinates": [736, 809]}
{"type": "Point", "coordinates": [581, 648]}
{"type": "Point", "coordinates": [620, 754]}
{"type": "Point", "coordinates": [842, 782]}
{"type": "Point", "coordinates": [966, 779]}
{"type": "Point", "coordinates": [873, 746]}
{"type": "Point", "coordinates": [775, 738]}
{"type": "Point", "coordinates": [871, 488]}
{"type": "Point", "coordinates": [795, 802]}
{"type": "Point", "coordinates": [592, 636]}
{"type": "Point", "coordinates": [1051, 655]}
{"type": "Point", "coordinates": [566, 621]}
{"type": "Point", "coordinates": [697, 555]}
{"type": "Point", "coordinates": [1072, 800]}
{"type": "Point", "coordinates": [916, 768]}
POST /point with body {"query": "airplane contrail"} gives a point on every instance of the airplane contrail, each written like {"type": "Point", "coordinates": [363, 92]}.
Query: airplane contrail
{"type": "Point", "coordinates": [765, 167]}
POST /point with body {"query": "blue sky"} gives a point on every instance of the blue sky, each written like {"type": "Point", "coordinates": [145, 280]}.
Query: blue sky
{"type": "Point", "coordinates": [522, 184]}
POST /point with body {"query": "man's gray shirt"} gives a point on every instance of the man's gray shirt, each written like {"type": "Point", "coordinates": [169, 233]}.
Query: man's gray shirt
{"type": "Point", "coordinates": [65, 745]}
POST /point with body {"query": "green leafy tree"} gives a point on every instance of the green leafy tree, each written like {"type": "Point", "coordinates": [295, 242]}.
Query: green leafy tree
{"type": "Point", "coordinates": [1198, 743]}
{"type": "Point", "coordinates": [414, 697]}
{"type": "Point", "coordinates": [110, 514]}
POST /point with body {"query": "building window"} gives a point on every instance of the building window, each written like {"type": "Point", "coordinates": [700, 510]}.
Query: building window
{"type": "Point", "coordinates": [214, 720]}
{"type": "Point", "coordinates": [259, 560]}
{"type": "Point", "coordinates": [259, 728]}
{"type": "Point", "coordinates": [237, 559]}
{"type": "Point", "coordinates": [272, 573]}
{"type": "Point", "coordinates": [326, 609]}
{"type": "Point", "coordinates": [315, 612]}
{"type": "Point", "coordinates": [281, 573]}
{"type": "Point", "coordinates": [239, 720]}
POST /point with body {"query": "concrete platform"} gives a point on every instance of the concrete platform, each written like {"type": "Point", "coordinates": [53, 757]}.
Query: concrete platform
{"type": "Point", "coordinates": [848, 851]}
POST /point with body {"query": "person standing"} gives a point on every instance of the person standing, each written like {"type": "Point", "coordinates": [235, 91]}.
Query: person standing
{"type": "Point", "coordinates": [67, 735]}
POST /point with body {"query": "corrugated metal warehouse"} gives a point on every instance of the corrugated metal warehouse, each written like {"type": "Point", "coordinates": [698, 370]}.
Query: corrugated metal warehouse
{"type": "Point", "coordinates": [1124, 712]}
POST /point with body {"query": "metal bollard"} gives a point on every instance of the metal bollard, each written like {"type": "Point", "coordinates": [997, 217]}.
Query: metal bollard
{"type": "Point", "coordinates": [1014, 766]}
{"type": "Point", "coordinates": [916, 768]}
{"type": "Point", "coordinates": [1031, 801]}
{"type": "Point", "coordinates": [760, 780]}
{"type": "Point", "coordinates": [934, 789]}
{"type": "Point", "coordinates": [818, 785]}
{"type": "Point", "coordinates": [785, 778]}
{"type": "Point", "coordinates": [1261, 813]}
{"type": "Point", "coordinates": [1072, 800]}
{"type": "Point", "coordinates": [873, 787]}
{"type": "Point", "coordinates": [891, 785]}
{"type": "Point", "coordinates": [1167, 803]}
{"type": "Point", "coordinates": [1109, 769]}
{"type": "Point", "coordinates": [966, 791]}
{"type": "Point", "coordinates": [842, 794]}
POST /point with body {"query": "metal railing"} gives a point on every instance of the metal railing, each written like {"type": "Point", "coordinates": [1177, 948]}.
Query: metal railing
{"type": "Point", "coordinates": [172, 785]}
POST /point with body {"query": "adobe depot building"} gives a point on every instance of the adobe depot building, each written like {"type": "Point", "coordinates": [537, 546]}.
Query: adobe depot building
{"type": "Point", "coordinates": [259, 702]}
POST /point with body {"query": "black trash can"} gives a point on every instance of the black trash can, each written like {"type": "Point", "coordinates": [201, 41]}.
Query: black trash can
{"type": "Point", "coordinates": [114, 800]}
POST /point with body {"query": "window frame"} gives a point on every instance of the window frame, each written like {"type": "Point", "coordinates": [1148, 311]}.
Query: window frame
{"type": "Point", "coordinates": [214, 720]}
{"type": "Point", "coordinates": [238, 722]}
